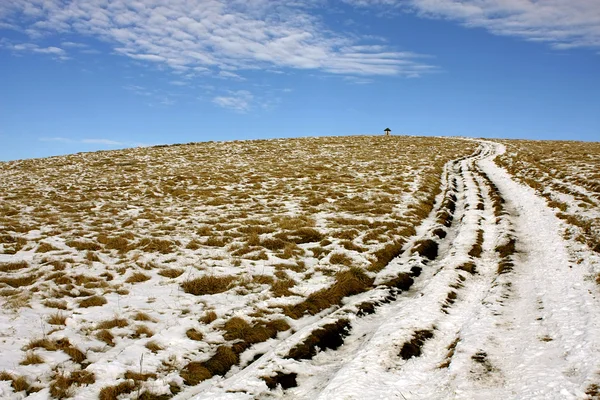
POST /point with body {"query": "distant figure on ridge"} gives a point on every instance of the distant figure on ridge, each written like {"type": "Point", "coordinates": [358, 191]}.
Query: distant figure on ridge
{"type": "Point", "coordinates": [387, 131]}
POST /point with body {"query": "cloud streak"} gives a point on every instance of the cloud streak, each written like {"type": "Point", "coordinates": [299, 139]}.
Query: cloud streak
{"type": "Point", "coordinates": [239, 101]}
{"type": "Point", "coordinates": [56, 52]}
{"type": "Point", "coordinates": [560, 23]}
{"type": "Point", "coordinates": [222, 37]}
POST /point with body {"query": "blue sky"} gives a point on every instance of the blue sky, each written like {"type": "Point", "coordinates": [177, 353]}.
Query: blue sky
{"type": "Point", "coordinates": [85, 75]}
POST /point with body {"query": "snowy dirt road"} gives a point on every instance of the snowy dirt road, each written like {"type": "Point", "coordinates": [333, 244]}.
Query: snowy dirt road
{"type": "Point", "coordinates": [500, 308]}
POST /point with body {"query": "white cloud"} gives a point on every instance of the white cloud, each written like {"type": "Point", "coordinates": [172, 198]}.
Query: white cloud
{"type": "Point", "coordinates": [561, 23]}
{"type": "Point", "coordinates": [57, 52]}
{"type": "Point", "coordinates": [239, 101]}
{"type": "Point", "coordinates": [73, 44]}
{"type": "Point", "coordinates": [217, 35]}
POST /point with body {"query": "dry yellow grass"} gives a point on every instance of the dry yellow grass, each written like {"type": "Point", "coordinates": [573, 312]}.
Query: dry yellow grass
{"type": "Point", "coordinates": [294, 208]}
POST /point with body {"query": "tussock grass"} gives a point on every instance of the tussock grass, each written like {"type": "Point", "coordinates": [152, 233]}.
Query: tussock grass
{"type": "Point", "coordinates": [137, 277]}
{"type": "Point", "coordinates": [593, 391]}
{"type": "Point", "coordinates": [153, 346]}
{"type": "Point", "coordinates": [112, 323]}
{"type": "Point", "coordinates": [237, 328]}
{"type": "Point", "coordinates": [350, 282]}
{"type": "Point", "coordinates": [412, 348]}
{"type": "Point", "coordinates": [330, 336]}
{"type": "Point", "coordinates": [20, 281]}
{"type": "Point", "coordinates": [138, 376]}
{"type": "Point", "coordinates": [386, 254]}
{"type": "Point", "coordinates": [141, 331]}
{"type": "Point", "coordinates": [32, 358]}
{"type": "Point", "coordinates": [93, 301]}
{"type": "Point", "coordinates": [402, 281]}
{"type": "Point", "coordinates": [18, 383]}
{"type": "Point", "coordinates": [285, 380]}
{"type": "Point", "coordinates": [170, 272]}
{"type": "Point", "coordinates": [208, 284]}
{"type": "Point", "coordinates": [209, 317]}
{"type": "Point", "coordinates": [426, 248]}
{"type": "Point", "coordinates": [59, 304]}
{"type": "Point", "coordinates": [194, 334]}
{"type": "Point", "coordinates": [113, 392]}
{"type": "Point", "coordinates": [61, 385]}
{"type": "Point", "coordinates": [57, 318]}
{"type": "Point", "coordinates": [281, 287]}
{"type": "Point", "coordinates": [59, 344]}
{"type": "Point", "coordinates": [449, 355]}
{"type": "Point", "coordinates": [45, 247]}
{"type": "Point", "coordinates": [142, 317]}
{"type": "Point", "coordinates": [13, 266]}
{"type": "Point", "coordinates": [469, 267]}
{"type": "Point", "coordinates": [104, 335]}
{"type": "Point", "coordinates": [119, 243]}
{"type": "Point", "coordinates": [218, 364]}
{"type": "Point", "coordinates": [83, 245]}
{"type": "Point", "coordinates": [150, 245]}
{"type": "Point", "coordinates": [507, 249]}
{"type": "Point", "coordinates": [340, 258]}
{"type": "Point", "coordinates": [477, 248]}
{"type": "Point", "coordinates": [303, 235]}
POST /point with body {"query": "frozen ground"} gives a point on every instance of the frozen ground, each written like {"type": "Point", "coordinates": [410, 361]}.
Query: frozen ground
{"type": "Point", "coordinates": [491, 295]}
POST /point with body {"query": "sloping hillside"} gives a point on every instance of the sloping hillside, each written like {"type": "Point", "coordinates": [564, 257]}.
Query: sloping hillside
{"type": "Point", "coordinates": [343, 267]}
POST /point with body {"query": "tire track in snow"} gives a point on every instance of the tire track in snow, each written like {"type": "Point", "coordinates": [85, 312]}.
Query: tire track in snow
{"type": "Point", "coordinates": [546, 342]}
{"type": "Point", "coordinates": [377, 364]}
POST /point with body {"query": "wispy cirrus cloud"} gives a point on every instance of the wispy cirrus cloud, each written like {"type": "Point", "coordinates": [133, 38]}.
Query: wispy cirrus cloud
{"type": "Point", "coordinates": [56, 52]}
{"type": "Point", "coordinates": [560, 23]}
{"type": "Point", "coordinates": [240, 101]}
{"type": "Point", "coordinates": [224, 37]}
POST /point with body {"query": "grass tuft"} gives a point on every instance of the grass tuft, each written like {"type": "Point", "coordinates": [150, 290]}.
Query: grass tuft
{"type": "Point", "coordinates": [170, 272]}
{"type": "Point", "coordinates": [93, 301]}
{"type": "Point", "coordinates": [208, 284]}
{"type": "Point", "coordinates": [426, 248]}
{"type": "Point", "coordinates": [218, 364]}
{"type": "Point", "coordinates": [13, 266]}
{"type": "Point", "coordinates": [194, 334]}
{"type": "Point", "coordinates": [208, 317]}
{"type": "Point", "coordinates": [112, 323]}
{"type": "Point", "coordinates": [285, 380]}
{"type": "Point", "coordinates": [330, 336]}
{"type": "Point", "coordinates": [105, 336]}
{"type": "Point", "coordinates": [137, 277]}
{"type": "Point", "coordinates": [31, 358]}
{"type": "Point", "coordinates": [154, 347]}
{"type": "Point", "coordinates": [57, 319]}
{"type": "Point", "coordinates": [113, 392]}
{"type": "Point", "coordinates": [412, 348]}
{"type": "Point", "coordinates": [348, 283]}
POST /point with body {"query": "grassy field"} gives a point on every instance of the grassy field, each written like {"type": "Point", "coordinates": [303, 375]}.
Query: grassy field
{"type": "Point", "coordinates": [150, 270]}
